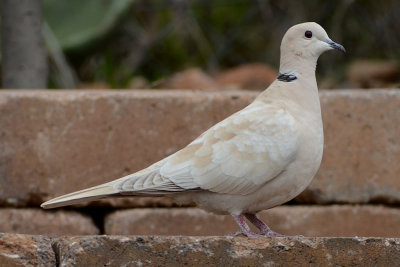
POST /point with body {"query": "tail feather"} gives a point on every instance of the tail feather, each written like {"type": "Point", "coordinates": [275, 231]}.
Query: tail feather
{"type": "Point", "coordinates": [89, 194]}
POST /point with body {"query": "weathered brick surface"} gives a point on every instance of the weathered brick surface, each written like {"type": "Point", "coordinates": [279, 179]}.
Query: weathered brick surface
{"type": "Point", "coordinates": [57, 142]}
{"type": "Point", "coordinates": [39, 222]}
{"type": "Point", "coordinates": [289, 220]}
{"type": "Point", "coordinates": [222, 251]}
{"type": "Point", "coordinates": [26, 250]}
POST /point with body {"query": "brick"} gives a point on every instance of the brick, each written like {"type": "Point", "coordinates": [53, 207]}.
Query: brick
{"type": "Point", "coordinates": [39, 222]}
{"type": "Point", "coordinates": [26, 250]}
{"type": "Point", "coordinates": [289, 220]}
{"type": "Point", "coordinates": [362, 148]}
{"type": "Point", "coordinates": [223, 251]}
{"type": "Point", "coordinates": [58, 142]}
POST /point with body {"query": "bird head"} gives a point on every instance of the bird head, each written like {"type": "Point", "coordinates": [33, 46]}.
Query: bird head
{"type": "Point", "coordinates": [308, 40]}
{"type": "Point", "coordinates": [305, 42]}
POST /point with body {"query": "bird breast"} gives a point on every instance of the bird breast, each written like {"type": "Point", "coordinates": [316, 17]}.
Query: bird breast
{"type": "Point", "coordinates": [301, 159]}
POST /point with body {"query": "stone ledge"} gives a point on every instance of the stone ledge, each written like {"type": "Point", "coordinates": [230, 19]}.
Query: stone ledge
{"type": "Point", "coordinates": [310, 221]}
{"type": "Point", "coordinates": [25, 250]}
{"type": "Point", "coordinates": [224, 251]}
{"type": "Point", "coordinates": [57, 142]}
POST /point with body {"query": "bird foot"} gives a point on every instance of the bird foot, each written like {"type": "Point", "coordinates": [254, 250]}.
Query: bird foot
{"type": "Point", "coordinates": [271, 233]}
{"type": "Point", "coordinates": [275, 234]}
{"type": "Point", "coordinates": [235, 234]}
{"type": "Point", "coordinates": [256, 235]}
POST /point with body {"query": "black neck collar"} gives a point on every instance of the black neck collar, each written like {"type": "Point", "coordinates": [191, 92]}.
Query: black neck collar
{"type": "Point", "coordinates": [286, 77]}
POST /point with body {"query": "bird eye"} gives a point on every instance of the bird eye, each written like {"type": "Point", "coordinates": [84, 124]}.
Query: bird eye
{"type": "Point", "coordinates": [308, 34]}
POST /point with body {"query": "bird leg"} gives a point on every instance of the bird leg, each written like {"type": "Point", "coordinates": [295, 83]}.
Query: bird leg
{"type": "Point", "coordinates": [264, 229]}
{"type": "Point", "coordinates": [244, 228]}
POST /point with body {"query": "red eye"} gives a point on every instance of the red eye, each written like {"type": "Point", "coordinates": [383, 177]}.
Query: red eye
{"type": "Point", "coordinates": [308, 34]}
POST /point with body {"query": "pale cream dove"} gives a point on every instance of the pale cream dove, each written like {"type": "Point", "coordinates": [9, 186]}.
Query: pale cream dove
{"type": "Point", "coordinates": [256, 159]}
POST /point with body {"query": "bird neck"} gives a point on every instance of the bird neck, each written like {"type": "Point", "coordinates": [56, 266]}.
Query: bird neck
{"type": "Point", "coordinates": [298, 66]}
{"type": "Point", "coordinates": [302, 90]}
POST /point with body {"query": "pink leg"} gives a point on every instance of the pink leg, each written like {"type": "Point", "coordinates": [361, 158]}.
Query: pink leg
{"type": "Point", "coordinates": [244, 227]}
{"type": "Point", "coordinates": [264, 229]}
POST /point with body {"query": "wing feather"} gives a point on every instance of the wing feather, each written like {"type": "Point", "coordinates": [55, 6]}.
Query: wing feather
{"type": "Point", "coordinates": [237, 155]}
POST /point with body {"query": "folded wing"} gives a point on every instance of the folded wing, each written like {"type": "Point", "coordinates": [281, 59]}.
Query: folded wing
{"type": "Point", "coordinates": [236, 156]}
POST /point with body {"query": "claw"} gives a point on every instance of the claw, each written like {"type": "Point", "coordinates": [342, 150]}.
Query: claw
{"type": "Point", "coordinates": [235, 234]}
{"type": "Point", "coordinates": [272, 234]}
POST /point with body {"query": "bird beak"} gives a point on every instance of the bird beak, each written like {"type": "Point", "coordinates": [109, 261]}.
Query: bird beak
{"type": "Point", "coordinates": [336, 46]}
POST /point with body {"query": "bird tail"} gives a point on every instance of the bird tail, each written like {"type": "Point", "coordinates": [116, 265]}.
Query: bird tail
{"type": "Point", "coordinates": [89, 194]}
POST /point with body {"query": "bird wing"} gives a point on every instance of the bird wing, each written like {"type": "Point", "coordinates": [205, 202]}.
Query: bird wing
{"type": "Point", "coordinates": [236, 156]}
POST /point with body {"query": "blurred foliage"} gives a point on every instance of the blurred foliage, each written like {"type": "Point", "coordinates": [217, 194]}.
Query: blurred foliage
{"type": "Point", "coordinates": [77, 23]}
{"type": "Point", "coordinates": [155, 38]}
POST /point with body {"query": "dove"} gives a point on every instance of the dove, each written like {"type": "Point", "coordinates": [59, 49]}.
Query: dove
{"type": "Point", "coordinates": [260, 157]}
